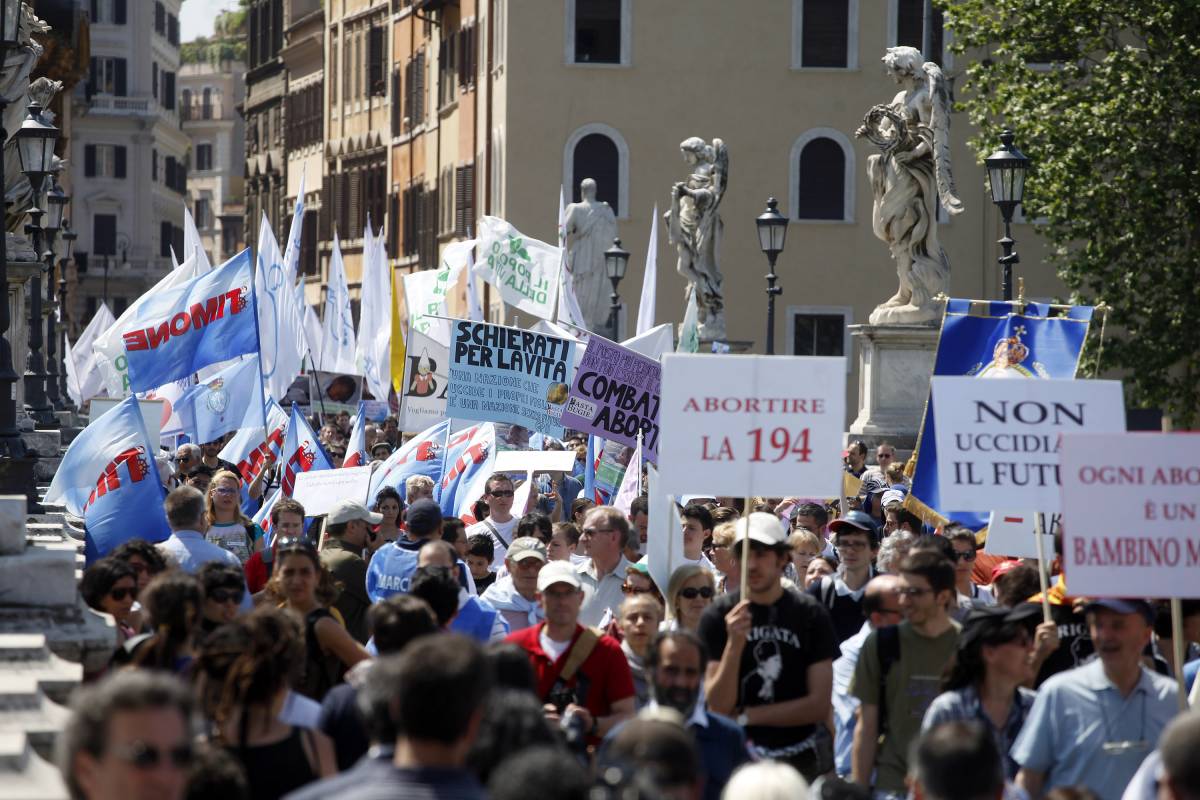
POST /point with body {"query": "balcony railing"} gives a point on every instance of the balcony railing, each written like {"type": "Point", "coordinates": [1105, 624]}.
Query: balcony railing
{"type": "Point", "coordinates": [111, 104]}
{"type": "Point", "coordinates": [201, 110]}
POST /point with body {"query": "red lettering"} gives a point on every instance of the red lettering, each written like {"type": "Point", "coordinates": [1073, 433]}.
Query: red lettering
{"type": "Point", "coordinates": [211, 309]}
{"type": "Point", "coordinates": [158, 335]}
{"type": "Point", "coordinates": [235, 301]}
{"type": "Point", "coordinates": [135, 340]}
{"type": "Point", "coordinates": [691, 405]}
{"type": "Point", "coordinates": [180, 323]}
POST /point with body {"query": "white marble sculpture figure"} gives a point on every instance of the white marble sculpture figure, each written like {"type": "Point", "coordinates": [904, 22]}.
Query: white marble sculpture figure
{"type": "Point", "coordinates": [589, 228]}
{"type": "Point", "coordinates": [908, 179]}
{"type": "Point", "coordinates": [694, 222]}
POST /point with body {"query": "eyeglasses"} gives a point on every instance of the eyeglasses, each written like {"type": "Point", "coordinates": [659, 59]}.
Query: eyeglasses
{"type": "Point", "coordinates": [226, 595]}
{"type": "Point", "coordinates": [856, 545]}
{"type": "Point", "coordinates": [631, 589]}
{"type": "Point", "coordinates": [121, 593]}
{"type": "Point", "coordinates": [296, 544]}
{"type": "Point", "coordinates": [502, 493]}
{"type": "Point", "coordinates": [964, 556]}
{"type": "Point", "coordinates": [692, 592]}
{"type": "Point", "coordinates": [142, 756]}
{"type": "Point", "coordinates": [913, 591]}
{"type": "Point", "coordinates": [224, 490]}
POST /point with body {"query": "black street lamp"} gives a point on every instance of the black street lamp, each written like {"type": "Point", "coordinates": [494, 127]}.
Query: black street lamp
{"type": "Point", "coordinates": [56, 204]}
{"type": "Point", "coordinates": [64, 250]}
{"type": "Point", "coordinates": [35, 146]}
{"type": "Point", "coordinates": [772, 233]}
{"type": "Point", "coordinates": [1006, 175]}
{"type": "Point", "coordinates": [616, 260]}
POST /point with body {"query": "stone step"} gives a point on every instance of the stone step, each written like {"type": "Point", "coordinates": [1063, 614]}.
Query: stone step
{"type": "Point", "coordinates": [46, 466]}
{"type": "Point", "coordinates": [45, 443]}
{"type": "Point", "coordinates": [75, 632]}
{"type": "Point", "coordinates": [39, 576]}
{"type": "Point", "coordinates": [47, 518]}
{"type": "Point", "coordinates": [12, 524]}
{"type": "Point", "coordinates": [28, 654]}
{"type": "Point", "coordinates": [24, 775]}
{"type": "Point", "coordinates": [24, 708]}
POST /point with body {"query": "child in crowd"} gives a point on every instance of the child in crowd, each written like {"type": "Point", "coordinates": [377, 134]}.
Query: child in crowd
{"type": "Point", "coordinates": [480, 552]}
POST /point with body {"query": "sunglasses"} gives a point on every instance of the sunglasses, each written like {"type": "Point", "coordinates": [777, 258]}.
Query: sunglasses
{"type": "Point", "coordinates": [964, 556]}
{"type": "Point", "coordinates": [224, 490]}
{"type": "Point", "coordinates": [502, 493]}
{"type": "Point", "coordinates": [142, 756]}
{"type": "Point", "coordinates": [296, 544]}
{"type": "Point", "coordinates": [691, 592]}
{"type": "Point", "coordinates": [122, 593]}
{"type": "Point", "coordinates": [226, 595]}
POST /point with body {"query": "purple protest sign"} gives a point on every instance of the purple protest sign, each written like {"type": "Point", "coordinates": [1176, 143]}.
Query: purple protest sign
{"type": "Point", "coordinates": [615, 395]}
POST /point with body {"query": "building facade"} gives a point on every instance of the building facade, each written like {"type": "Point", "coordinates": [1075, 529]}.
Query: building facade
{"type": "Point", "coordinates": [263, 112]}
{"type": "Point", "coordinates": [303, 57]}
{"type": "Point", "coordinates": [128, 154]}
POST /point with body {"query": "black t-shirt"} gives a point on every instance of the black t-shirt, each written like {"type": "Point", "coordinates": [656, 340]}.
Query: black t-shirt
{"type": "Point", "coordinates": [846, 612]}
{"type": "Point", "coordinates": [785, 638]}
{"type": "Point", "coordinates": [1074, 643]}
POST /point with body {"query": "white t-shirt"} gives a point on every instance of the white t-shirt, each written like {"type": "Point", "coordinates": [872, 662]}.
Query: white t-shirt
{"type": "Point", "coordinates": [552, 648]}
{"type": "Point", "coordinates": [702, 561]}
{"type": "Point", "coordinates": [231, 536]}
{"type": "Point", "coordinates": [505, 529]}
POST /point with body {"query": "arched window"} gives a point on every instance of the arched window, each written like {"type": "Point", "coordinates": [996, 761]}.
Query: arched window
{"type": "Point", "coordinates": [824, 34]}
{"type": "Point", "coordinates": [822, 176]}
{"type": "Point", "coordinates": [599, 152]}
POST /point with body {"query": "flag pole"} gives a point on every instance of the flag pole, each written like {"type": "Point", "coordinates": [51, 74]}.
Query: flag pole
{"type": "Point", "coordinates": [743, 589]}
{"type": "Point", "coordinates": [320, 397]}
{"type": "Point", "coordinates": [262, 379]}
{"type": "Point", "coordinates": [589, 469]}
{"type": "Point", "coordinates": [641, 459]}
{"type": "Point", "coordinates": [1041, 557]}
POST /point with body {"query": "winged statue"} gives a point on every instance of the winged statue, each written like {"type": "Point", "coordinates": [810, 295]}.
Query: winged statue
{"type": "Point", "coordinates": [694, 225]}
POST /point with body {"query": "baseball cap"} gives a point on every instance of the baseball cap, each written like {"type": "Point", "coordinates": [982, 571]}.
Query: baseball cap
{"type": "Point", "coordinates": [891, 496]}
{"type": "Point", "coordinates": [558, 572]}
{"type": "Point", "coordinates": [763, 528]}
{"type": "Point", "coordinates": [1003, 568]}
{"type": "Point", "coordinates": [423, 517]}
{"type": "Point", "coordinates": [1123, 606]}
{"type": "Point", "coordinates": [526, 547]}
{"type": "Point", "coordinates": [688, 499]}
{"type": "Point", "coordinates": [984, 621]}
{"type": "Point", "coordinates": [348, 510]}
{"type": "Point", "coordinates": [855, 521]}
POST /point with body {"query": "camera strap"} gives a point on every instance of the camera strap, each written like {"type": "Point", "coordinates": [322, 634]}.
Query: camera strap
{"type": "Point", "coordinates": [580, 651]}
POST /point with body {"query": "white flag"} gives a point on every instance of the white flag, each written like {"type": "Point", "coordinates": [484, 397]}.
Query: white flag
{"type": "Point", "coordinates": [425, 292]}
{"type": "Point", "coordinates": [291, 257]}
{"type": "Point", "coordinates": [654, 342]}
{"type": "Point", "coordinates": [280, 321]}
{"type": "Point", "coordinates": [83, 377]}
{"type": "Point", "coordinates": [192, 245]}
{"type": "Point", "coordinates": [645, 320]}
{"type": "Point", "coordinates": [372, 354]}
{"type": "Point", "coordinates": [524, 270]}
{"type": "Point", "coordinates": [337, 328]}
{"type": "Point", "coordinates": [474, 307]}
{"type": "Point", "coordinates": [631, 484]}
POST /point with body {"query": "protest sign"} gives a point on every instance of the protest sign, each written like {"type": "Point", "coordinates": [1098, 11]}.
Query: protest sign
{"type": "Point", "coordinates": [1012, 534]}
{"type": "Point", "coordinates": [334, 392]}
{"type": "Point", "coordinates": [999, 439]}
{"type": "Point", "coordinates": [502, 374]}
{"type": "Point", "coordinates": [770, 425]}
{"type": "Point", "coordinates": [423, 402]}
{"type": "Point", "coordinates": [523, 269]}
{"type": "Point", "coordinates": [1131, 514]}
{"type": "Point", "coordinates": [610, 471]}
{"type": "Point", "coordinates": [615, 395]}
{"type": "Point", "coordinates": [320, 490]}
{"type": "Point", "coordinates": [535, 461]}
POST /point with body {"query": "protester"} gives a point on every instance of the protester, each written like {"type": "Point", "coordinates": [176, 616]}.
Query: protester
{"type": "Point", "coordinates": [856, 458]}
{"type": "Point", "coordinates": [639, 618]}
{"type": "Point", "coordinates": [542, 772]}
{"type": "Point", "coordinates": [347, 532]}
{"type": "Point", "coordinates": [224, 588]}
{"type": "Point", "coordinates": [579, 510]}
{"type": "Point", "coordinates": [515, 595]}
{"type": "Point", "coordinates": [174, 602]}
{"type": "Point", "coordinates": [689, 592]}
{"type": "Point", "coordinates": [766, 780]}
{"type": "Point", "coordinates": [660, 750]}
{"type": "Point", "coordinates": [308, 590]}
{"type": "Point", "coordinates": [965, 548]}
{"type": "Point", "coordinates": [109, 585]}
{"type": "Point", "coordinates": [200, 478]}
{"type": "Point", "coordinates": [392, 566]}
{"type": "Point", "coordinates": [287, 522]}
{"type": "Point", "coordinates": [187, 458]}
{"type": "Point", "coordinates": [1014, 582]}
{"type": "Point", "coordinates": [537, 525]}
{"type": "Point", "coordinates": [896, 677]}
{"type": "Point", "coordinates": [639, 520]}
{"type": "Point", "coordinates": [564, 543]}
{"type": "Point", "coordinates": [500, 523]}
{"type": "Point", "coordinates": [581, 677]}
{"type": "Point", "coordinates": [481, 552]}
{"type": "Point", "coordinates": [418, 487]}
{"type": "Point", "coordinates": [898, 518]}
{"type": "Point", "coordinates": [436, 585]}
{"type": "Point", "coordinates": [473, 616]}
{"type": "Point", "coordinates": [186, 547]}
{"type": "Point", "coordinates": [957, 760]}
{"type": "Point", "coordinates": [638, 581]}
{"type": "Point", "coordinates": [143, 558]}
{"type": "Point", "coordinates": [856, 539]}
{"type": "Point", "coordinates": [211, 457]}
{"type": "Point", "coordinates": [805, 546]}
{"type": "Point", "coordinates": [892, 550]}
{"type": "Point", "coordinates": [1162, 645]}
{"type": "Point", "coordinates": [776, 647]}
{"type": "Point", "coordinates": [1179, 773]}
{"type": "Point", "coordinates": [985, 682]}
{"type": "Point", "coordinates": [512, 721]}
{"type": "Point", "coordinates": [228, 527]}
{"type": "Point", "coordinates": [128, 736]}
{"type": "Point", "coordinates": [454, 532]}
{"type": "Point", "coordinates": [606, 529]}
{"type": "Point", "coordinates": [722, 539]}
{"type": "Point", "coordinates": [819, 568]}
{"type": "Point", "coordinates": [389, 506]}
{"type": "Point", "coordinates": [1063, 743]}
{"type": "Point", "coordinates": [214, 773]}
{"type": "Point", "coordinates": [697, 525]}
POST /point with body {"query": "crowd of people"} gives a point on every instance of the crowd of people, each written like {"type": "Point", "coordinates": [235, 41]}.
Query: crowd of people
{"type": "Point", "coordinates": [392, 651]}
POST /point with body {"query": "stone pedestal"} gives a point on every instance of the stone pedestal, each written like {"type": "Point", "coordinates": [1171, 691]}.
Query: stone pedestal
{"type": "Point", "coordinates": [735, 346]}
{"type": "Point", "coordinates": [894, 366]}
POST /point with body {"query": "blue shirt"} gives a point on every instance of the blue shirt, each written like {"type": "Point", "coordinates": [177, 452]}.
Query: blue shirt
{"type": "Point", "coordinates": [1075, 729]}
{"type": "Point", "coordinates": [963, 705]}
{"type": "Point", "coordinates": [190, 551]}
{"type": "Point", "coordinates": [845, 705]}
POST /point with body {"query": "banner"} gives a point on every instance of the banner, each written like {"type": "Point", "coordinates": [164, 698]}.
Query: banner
{"type": "Point", "coordinates": [423, 401]}
{"type": "Point", "coordinates": [423, 454]}
{"type": "Point", "coordinates": [228, 401]}
{"type": "Point", "coordinates": [84, 380]}
{"type": "Point", "coordinates": [248, 448]}
{"type": "Point", "coordinates": [302, 452]}
{"type": "Point", "coordinates": [771, 425]}
{"type": "Point", "coordinates": [645, 319]}
{"type": "Point", "coordinates": [689, 329]}
{"type": "Point", "coordinates": [337, 326]}
{"type": "Point", "coordinates": [1130, 508]}
{"type": "Point", "coordinates": [280, 312]}
{"type": "Point", "coordinates": [1000, 439]}
{"type": "Point", "coordinates": [206, 320]}
{"type": "Point", "coordinates": [524, 270]}
{"type": "Point", "coordinates": [319, 491]}
{"type": "Point", "coordinates": [170, 424]}
{"type": "Point", "coordinates": [398, 349]}
{"type": "Point", "coordinates": [611, 467]}
{"type": "Point", "coordinates": [425, 291]}
{"type": "Point", "coordinates": [356, 445]}
{"type": "Point", "coordinates": [469, 460]}
{"type": "Point", "coordinates": [109, 478]}
{"type": "Point", "coordinates": [994, 340]}
{"type": "Point", "coordinates": [631, 484]}
{"type": "Point", "coordinates": [1014, 534]}
{"type": "Point", "coordinates": [334, 392]}
{"type": "Point", "coordinates": [653, 343]}
{"type": "Point", "coordinates": [502, 374]}
{"type": "Point", "coordinates": [615, 395]}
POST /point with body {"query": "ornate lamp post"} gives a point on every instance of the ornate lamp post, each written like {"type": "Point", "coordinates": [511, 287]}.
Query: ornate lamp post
{"type": "Point", "coordinates": [56, 204]}
{"type": "Point", "coordinates": [35, 146]}
{"type": "Point", "coordinates": [1006, 176]}
{"type": "Point", "coordinates": [772, 233]}
{"type": "Point", "coordinates": [64, 251]}
{"type": "Point", "coordinates": [615, 261]}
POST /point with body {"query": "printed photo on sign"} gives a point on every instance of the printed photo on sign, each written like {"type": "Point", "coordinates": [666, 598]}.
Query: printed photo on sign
{"type": "Point", "coordinates": [333, 392]}
{"type": "Point", "coordinates": [507, 375]}
{"type": "Point", "coordinates": [426, 381]}
{"type": "Point", "coordinates": [616, 395]}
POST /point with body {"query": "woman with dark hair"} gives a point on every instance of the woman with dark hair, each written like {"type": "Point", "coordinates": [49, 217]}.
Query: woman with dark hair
{"type": "Point", "coordinates": [984, 682]}
{"type": "Point", "coordinates": [143, 558]}
{"type": "Point", "coordinates": [110, 585]}
{"type": "Point", "coordinates": [224, 587]}
{"type": "Point", "coordinates": [512, 721]}
{"type": "Point", "coordinates": [173, 602]}
{"type": "Point", "coordinates": [579, 508]}
{"type": "Point", "coordinates": [308, 591]}
{"type": "Point", "coordinates": [243, 673]}
{"type": "Point", "coordinates": [389, 504]}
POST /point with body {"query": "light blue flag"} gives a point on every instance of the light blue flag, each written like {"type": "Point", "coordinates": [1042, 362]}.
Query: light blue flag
{"type": "Point", "coordinates": [225, 402]}
{"type": "Point", "coordinates": [203, 321]}
{"type": "Point", "coordinates": [109, 478]}
{"type": "Point", "coordinates": [470, 460]}
{"type": "Point", "coordinates": [302, 451]}
{"type": "Point", "coordinates": [424, 454]}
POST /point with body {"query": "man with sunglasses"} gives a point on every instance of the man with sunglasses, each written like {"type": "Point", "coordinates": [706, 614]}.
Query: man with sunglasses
{"type": "Point", "coordinates": [970, 594]}
{"type": "Point", "coordinates": [856, 540]}
{"type": "Point", "coordinates": [607, 529]}
{"type": "Point", "coordinates": [128, 736]}
{"type": "Point", "coordinates": [500, 523]}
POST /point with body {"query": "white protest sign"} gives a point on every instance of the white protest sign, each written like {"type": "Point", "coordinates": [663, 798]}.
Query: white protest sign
{"type": "Point", "coordinates": [738, 425]}
{"type": "Point", "coordinates": [1012, 534]}
{"type": "Point", "coordinates": [320, 490]}
{"type": "Point", "coordinates": [535, 461]}
{"type": "Point", "coordinates": [998, 440]}
{"type": "Point", "coordinates": [153, 412]}
{"type": "Point", "coordinates": [1131, 514]}
{"type": "Point", "coordinates": [664, 532]}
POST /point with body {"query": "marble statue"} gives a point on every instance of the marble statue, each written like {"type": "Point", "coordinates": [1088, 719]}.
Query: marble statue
{"type": "Point", "coordinates": [589, 228]}
{"type": "Point", "coordinates": [14, 85]}
{"type": "Point", "coordinates": [909, 177]}
{"type": "Point", "coordinates": [694, 222]}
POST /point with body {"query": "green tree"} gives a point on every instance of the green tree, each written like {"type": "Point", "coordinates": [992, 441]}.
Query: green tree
{"type": "Point", "coordinates": [1104, 97]}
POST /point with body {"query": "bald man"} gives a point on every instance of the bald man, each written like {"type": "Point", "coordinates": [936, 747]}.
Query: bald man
{"type": "Point", "coordinates": [476, 618]}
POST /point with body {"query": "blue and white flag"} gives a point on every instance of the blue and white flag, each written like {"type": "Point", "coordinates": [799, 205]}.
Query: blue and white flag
{"type": "Point", "coordinates": [337, 328]}
{"type": "Point", "coordinates": [424, 454]}
{"type": "Point", "coordinates": [249, 448]}
{"type": "Point", "coordinates": [356, 445]}
{"type": "Point", "coordinates": [109, 478]}
{"type": "Point", "coordinates": [280, 318]}
{"type": "Point", "coordinates": [470, 458]}
{"type": "Point", "coordinates": [206, 320]}
{"type": "Point", "coordinates": [230, 400]}
{"type": "Point", "coordinates": [994, 339]}
{"type": "Point", "coordinates": [373, 353]}
{"type": "Point", "coordinates": [302, 451]}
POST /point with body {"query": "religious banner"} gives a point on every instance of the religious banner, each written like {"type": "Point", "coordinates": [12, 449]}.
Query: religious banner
{"type": "Point", "coordinates": [423, 401]}
{"type": "Point", "coordinates": [334, 392]}
{"type": "Point", "coordinates": [999, 440]}
{"type": "Point", "coordinates": [615, 395]}
{"type": "Point", "coordinates": [523, 269]}
{"type": "Point", "coordinates": [502, 374]}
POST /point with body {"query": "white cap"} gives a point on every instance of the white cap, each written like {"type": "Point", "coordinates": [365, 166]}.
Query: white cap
{"type": "Point", "coordinates": [348, 510]}
{"type": "Point", "coordinates": [558, 572]}
{"type": "Point", "coordinates": [764, 528]}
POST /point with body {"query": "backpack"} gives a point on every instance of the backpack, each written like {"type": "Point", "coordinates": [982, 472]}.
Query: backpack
{"type": "Point", "coordinates": [887, 641]}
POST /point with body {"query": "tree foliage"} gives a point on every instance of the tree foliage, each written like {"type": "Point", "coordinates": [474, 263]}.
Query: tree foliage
{"type": "Point", "coordinates": [1104, 98]}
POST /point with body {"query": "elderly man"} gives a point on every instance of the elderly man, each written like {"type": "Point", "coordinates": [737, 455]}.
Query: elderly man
{"type": "Point", "coordinates": [476, 618]}
{"type": "Point", "coordinates": [515, 595]}
{"type": "Point", "coordinates": [346, 534]}
{"type": "Point", "coordinates": [606, 529]}
{"type": "Point", "coordinates": [187, 458]}
{"type": "Point", "coordinates": [418, 487]}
